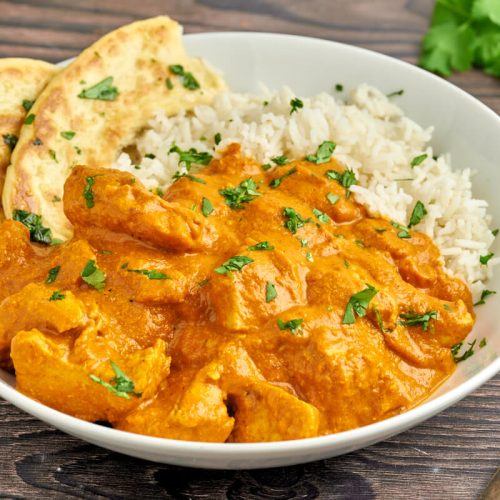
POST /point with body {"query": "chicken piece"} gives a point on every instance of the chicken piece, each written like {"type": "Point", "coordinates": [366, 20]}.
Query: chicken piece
{"type": "Point", "coordinates": [198, 414]}
{"type": "Point", "coordinates": [150, 282]}
{"type": "Point", "coordinates": [71, 259]}
{"type": "Point", "coordinates": [350, 375]}
{"type": "Point", "coordinates": [14, 243]}
{"type": "Point", "coordinates": [239, 297]}
{"type": "Point", "coordinates": [199, 411]}
{"type": "Point", "coordinates": [46, 371]}
{"type": "Point", "coordinates": [118, 202]}
{"type": "Point", "coordinates": [265, 412]}
{"type": "Point", "coordinates": [32, 308]}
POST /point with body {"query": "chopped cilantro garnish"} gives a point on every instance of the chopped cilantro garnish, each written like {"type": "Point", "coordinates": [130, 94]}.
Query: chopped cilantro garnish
{"type": "Point", "coordinates": [485, 293]}
{"type": "Point", "coordinates": [321, 216]}
{"type": "Point", "coordinates": [206, 207]}
{"type": "Point", "coordinates": [152, 274]}
{"type": "Point", "coordinates": [88, 194]}
{"type": "Point", "coordinates": [53, 155]}
{"type": "Point", "coordinates": [52, 275]}
{"type": "Point", "coordinates": [345, 179]}
{"type": "Point", "coordinates": [27, 104]}
{"type": "Point", "coordinates": [294, 325]}
{"type": "Point", "coordinates": [263, 245]}
{"type": "Point", "coordinates": [191, 156]}
{"type": "Point", "coordinates": [151, 156]}
{"type": "Point", "coordinates": [37, 141]}
{"type": "Point", "coordinates": [411, 319]}
{"type": "Point", "coordinates": [418, 160]}
{"type": "Point", "coordinates": [271, 293]}
{"type": "Point", "coordinates": [323, 153]}
{"type": "Point", "coordinates": [346, 264]}
{"type": "Point", "coordinates": [358, 304]}
{"type": "Point", "coordinates": [33, 222]}
{"type": "Point", "coordinates": [29, 119]}
{"type": "Point", "coordinates": [309, 257]}
{"type": "Point", "coordinates": [188, 80]}
{"type": "Point", "coordinates": [57, 295]}
{"type": "Point", "coordinates": [419, 212]}
{"type": "Point", "coordinates": [244, 193]}
{"type": "Point", "coordinates": [494, 232]}
{"type": "Point", "coordinates": [403, 231]}
{"type": "Point", "coordinates": [395, 93]}
{"type": "Point", "coordinates": [482, 343]}
{"type": "Point", "coordinates": [10, 140]}
{"type": "Point", "coordinates": [380, 229]}
{"type": "Point", "coordinates": [296, 104]}
{"type": "Point", "coordinates": [217, 138]}
{"type": "Point", "coordinates": [295, 220]}
{"type": "Point", "coordinates": [102, 91]}
{"type": "Point", "coordinates": [93, 276]}
{"type": "Point", "coordinates": [68, 135]}
{"type": "Point", "coordinates": [484, 259]}
{"type": "Point", "coordinates": [339, 87]}
{"type": "Point", "coordinates": [266, 167]}
{"type": "Point", "coordinates": [169, 84]}
{"type": "Point", "coordinates": [380, 321]}
{"type": "Point", "coordinates": [278, 180]}
{"type": "Point", "coordinates": [121, 385]}
{"type": "Point", "coordinates": [466, 355]}
{"type": "Point", "coordinates": [236, 263]}
{"type": "Point", "coordinates": [332, 198]}
{"type": "Point", "coordinates": [280, 160]}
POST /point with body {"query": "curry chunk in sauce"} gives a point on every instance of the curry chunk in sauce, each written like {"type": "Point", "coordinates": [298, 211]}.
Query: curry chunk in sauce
{"type": "Point", "coordinates": [241, 306]}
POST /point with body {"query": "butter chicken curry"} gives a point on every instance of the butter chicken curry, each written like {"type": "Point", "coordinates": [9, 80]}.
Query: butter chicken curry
{"type": "Point", "coordinates": [242, 305]}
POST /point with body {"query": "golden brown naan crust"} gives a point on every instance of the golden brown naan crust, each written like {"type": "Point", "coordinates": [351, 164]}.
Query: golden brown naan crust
{"type": "Point", "coordinates": [137, 56]}
{"type": "Point", "coordinates": [20, 79]}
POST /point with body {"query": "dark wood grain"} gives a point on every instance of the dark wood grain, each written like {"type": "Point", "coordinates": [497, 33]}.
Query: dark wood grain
{"type": "Point", "coordinates": [452, 456]}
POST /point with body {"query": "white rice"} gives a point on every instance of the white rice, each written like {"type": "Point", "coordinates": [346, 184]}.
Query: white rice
{"type": "Point", "coordinates": [373, 138]}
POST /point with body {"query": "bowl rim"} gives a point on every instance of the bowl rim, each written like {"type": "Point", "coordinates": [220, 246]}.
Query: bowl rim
{"type": "Point", "coordinates": [388, 427]}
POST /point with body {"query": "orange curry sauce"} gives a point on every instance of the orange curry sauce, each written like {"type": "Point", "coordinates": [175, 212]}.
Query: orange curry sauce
{"type": "Point", "coordinates": [271, 345]}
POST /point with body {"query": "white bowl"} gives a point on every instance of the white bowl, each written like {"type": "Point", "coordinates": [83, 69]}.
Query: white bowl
{"type": "Point", "coordinates": [463, 126]}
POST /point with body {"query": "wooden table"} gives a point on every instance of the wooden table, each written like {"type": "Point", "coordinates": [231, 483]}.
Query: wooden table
{"type": "Point", "coordinates": [451, 456]}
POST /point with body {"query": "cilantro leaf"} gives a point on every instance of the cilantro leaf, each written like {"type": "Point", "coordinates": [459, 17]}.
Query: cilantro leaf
{"type": "Point", "coordinates": [236, 263]}
{"type": "Point", "coordinates": [244, 193]}
{"type": "Point", "coordinates": [294, 325]}
{"type": "Point", "coordinates": [263, 245]}
{"type": "Point", "coordinates": [358, 304]}
{"type": "Point", "coordinates": [93, 276]}
{"type": "Point", "coordinates": [102, 91]}
{"type": "Point", "coordinates": [120, 385]}
{"type": "Point", "coordinates": [419, 212]}
{"type": "Point", "coordinates": [271, 292]}
{"type": "Point", "coordinates": [33, 222]}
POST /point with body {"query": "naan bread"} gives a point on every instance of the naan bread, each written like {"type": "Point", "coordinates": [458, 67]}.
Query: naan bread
{"type": "Point", "coordinates": [79, 123]}
{"type": "Point", "coordinates": [21, 80]}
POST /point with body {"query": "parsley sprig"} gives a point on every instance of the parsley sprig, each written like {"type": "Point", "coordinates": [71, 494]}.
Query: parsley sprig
{"type": "Point", "coordinates": [463, 33]}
